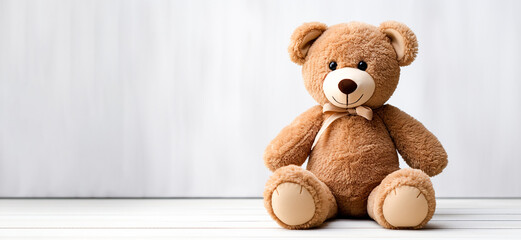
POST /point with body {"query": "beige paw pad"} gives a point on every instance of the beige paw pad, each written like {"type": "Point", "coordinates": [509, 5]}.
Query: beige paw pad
{"type": "Point", "coordinates": [292, 204]}
{"type": "Point", "coordinates": [405, 206]}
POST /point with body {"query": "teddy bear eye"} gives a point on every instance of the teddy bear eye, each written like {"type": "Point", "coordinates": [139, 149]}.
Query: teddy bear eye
{"type": "Point", "coordinates": [332, 65]}
{"type": "Point", "coordinates": [362, 65]}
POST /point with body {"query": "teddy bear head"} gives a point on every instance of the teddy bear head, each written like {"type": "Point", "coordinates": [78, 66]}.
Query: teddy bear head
{"type": "Point", "coordinates": [352, 64]}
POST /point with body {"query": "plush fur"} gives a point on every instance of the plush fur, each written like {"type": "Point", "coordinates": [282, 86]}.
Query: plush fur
{"type": "Point", "coordinates": [354, 156]}
{"type": "Point", "coordinates": [293, 144]}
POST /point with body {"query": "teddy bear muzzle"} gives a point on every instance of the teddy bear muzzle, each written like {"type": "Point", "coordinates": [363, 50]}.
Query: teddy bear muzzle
{"type": "Point", "coordinates": [348, 87]}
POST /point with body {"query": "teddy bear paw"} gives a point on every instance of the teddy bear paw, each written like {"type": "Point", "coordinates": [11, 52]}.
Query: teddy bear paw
{"type": "Point", "coordinates": [292, 204]}
{"type": "Point", "coordinates": [405, 206]}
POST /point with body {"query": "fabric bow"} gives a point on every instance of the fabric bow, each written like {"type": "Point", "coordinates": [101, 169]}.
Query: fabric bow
{"type": "Point", "coordinates": [362, 111]}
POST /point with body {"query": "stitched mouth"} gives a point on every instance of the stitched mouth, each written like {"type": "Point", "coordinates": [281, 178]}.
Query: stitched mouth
{"type": "Point", "coordinates": [348, 103]}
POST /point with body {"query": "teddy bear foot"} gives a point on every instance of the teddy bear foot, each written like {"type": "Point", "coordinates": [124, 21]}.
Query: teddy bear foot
{"type": "Point", "coordinates": [296, 199]}
{"type": "Point", "coordinates": [403, 200]}
{"type": "Point", "coordinates": [405, 207]}
{"type": "Point", "coordinates": [292, 204]}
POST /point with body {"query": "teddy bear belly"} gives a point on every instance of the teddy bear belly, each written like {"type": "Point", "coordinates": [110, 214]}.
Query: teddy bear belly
{"type": "Point", "coordinates": [352, 158]}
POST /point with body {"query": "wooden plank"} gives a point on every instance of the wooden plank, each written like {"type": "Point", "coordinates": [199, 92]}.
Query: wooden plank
{"type": "Point", "coordinates": [215, 206]}
{"type": "Point", "coordinates": [20, 204]}
{"type": "Point", "coordinates": [234, 218]}
{"type": "Point", "coordinates": [168, 223]}
{"type": "Point", "coordinates": [7, 220]}
{"type": "Point", "coordinates": [259, 233]}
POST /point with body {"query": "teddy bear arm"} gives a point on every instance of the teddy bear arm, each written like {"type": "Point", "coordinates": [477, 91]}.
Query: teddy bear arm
{"type": "Point", "coordinates": [293, 144]}
{"type": "Point", "coordinates": [418, 146]}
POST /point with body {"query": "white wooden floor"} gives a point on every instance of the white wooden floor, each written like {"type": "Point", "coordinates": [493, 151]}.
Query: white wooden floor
{"type": "Point", "coordinates": [234, 218]}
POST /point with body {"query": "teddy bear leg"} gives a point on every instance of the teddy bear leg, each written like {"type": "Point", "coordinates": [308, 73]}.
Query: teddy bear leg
{"type": "Point", "coordinates": [403, 200]}
{"type": "Point", "coordinates": [296, 199]}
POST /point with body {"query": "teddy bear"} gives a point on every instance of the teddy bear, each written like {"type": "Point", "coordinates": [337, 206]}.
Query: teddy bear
{"type": "Point", "coordinates": [352, 137]}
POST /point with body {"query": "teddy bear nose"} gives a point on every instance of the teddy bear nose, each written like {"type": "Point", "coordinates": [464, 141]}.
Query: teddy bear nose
{"type": "Point", "coordinates": [347, 86]}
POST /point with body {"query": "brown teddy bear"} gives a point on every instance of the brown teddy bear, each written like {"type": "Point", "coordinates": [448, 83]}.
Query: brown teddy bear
{"type": "Point", "coordinates": [352, 137]}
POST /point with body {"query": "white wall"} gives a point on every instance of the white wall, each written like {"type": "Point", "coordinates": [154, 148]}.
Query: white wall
{"type": "Point", "coordinates": [180, 98]}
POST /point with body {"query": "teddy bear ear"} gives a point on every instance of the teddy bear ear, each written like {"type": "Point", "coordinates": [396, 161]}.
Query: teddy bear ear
{"type": "Point", "coordinates": [403, 41]}
{"type": "Point", "coordinates": [302, 39]}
